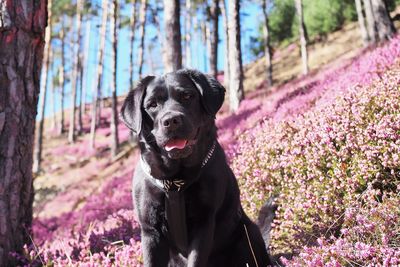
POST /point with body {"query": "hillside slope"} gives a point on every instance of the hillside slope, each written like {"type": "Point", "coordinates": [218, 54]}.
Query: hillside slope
{"type": "Point", "coordinates": [83, 209]}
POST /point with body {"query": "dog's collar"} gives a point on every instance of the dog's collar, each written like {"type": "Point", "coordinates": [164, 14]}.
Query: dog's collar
{"type": "Point", "coordinates": [175, 184]}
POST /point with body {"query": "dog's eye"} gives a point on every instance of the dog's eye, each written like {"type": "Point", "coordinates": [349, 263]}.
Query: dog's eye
{"type": "Point", "coordinates": [152, 104]}
{"type": "Point", "coordinates": [187, 96]}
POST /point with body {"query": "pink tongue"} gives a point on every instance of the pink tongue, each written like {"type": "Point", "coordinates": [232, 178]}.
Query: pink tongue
{"type": "Point", "coordinates": [178, 144]}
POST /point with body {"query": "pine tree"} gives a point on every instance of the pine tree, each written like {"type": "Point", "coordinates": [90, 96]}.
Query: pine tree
{"type": "Point", "coordinates": [21, 53]}
{"type": "Point", "coordinates": [172, 43]}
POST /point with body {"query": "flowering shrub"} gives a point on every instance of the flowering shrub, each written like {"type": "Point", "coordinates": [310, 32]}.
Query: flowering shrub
{"type": "Point", "coordinates": [320, 162]}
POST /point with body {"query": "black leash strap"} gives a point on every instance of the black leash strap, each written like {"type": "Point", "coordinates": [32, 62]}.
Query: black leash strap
{"type": "Point", "coordinates": [176, 218]}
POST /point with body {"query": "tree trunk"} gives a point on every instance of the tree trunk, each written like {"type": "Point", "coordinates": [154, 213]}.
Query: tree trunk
{"type": "Point", "coordinates": [80, 79]}
{"type": "Point", "coordinates": [114, 108]}
{"type": "Point", "coordinates": [83, 74]}
{"type": "Point", "coordinates": [22, 28]}
{"type": "Point", "coordinates": [267, 46]}
{"type": "Point", "coordinates": [172, 42]}
{"type": "Point", "coordinates": [99, 74]}
{"type": "Point", "coordinates": [62, 78]}
{"type": "Point", "coordinates": [188, 28]}
{"type": "Point", "coordinates": [44, 86]}
{"type": "Point", "coordinates": [371, 24]}
{"type": "Point", "coordinates": [236, 91]}
{"type": "Point", "coordinates": [226, 61]}
{"type": "Point", "coordinates": [214, 15]}
{"type": "Point", "coordinates": [53, 95]}
{"type": "Point", "coordinates": [71, 132]}
{"type": "Point", "coordinates": [361, 23]}
{"type": "Point", "coordinates": [143, 10]}
{"type": "Point", "coordinates": [303, 36]}
{"type": "Point", "coordinates": [384, 24]}
{"type": "Point", "coordinates": [132, 42]}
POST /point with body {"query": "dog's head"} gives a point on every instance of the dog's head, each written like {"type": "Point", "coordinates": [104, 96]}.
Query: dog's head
{"type": "Point", "coordinates": [173, 111]}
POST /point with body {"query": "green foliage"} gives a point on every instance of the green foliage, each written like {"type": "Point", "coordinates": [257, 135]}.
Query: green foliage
{"type": "Point", "coordinates": [320, 16]}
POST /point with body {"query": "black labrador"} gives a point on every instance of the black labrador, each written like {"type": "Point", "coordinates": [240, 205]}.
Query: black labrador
{"type": "Point", "coordinates": [185, 195]}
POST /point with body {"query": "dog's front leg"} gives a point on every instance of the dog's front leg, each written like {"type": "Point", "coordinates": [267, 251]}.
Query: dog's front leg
{"type": "Point", "coordinates": [201, 244]}
{"type": "Point", "coordinates": [154, 247]}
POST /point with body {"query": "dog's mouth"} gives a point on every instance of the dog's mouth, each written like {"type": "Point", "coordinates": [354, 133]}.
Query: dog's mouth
{"type": "Point", "coordinates": [176, 144]}
{"type": "Point", "coordinates": [180, 147]}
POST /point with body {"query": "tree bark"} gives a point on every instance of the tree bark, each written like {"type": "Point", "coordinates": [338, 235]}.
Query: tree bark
{"type": "Point", "coordinates": [44, 86]}
{"type": "Point", "coordinates": [361, 23]}
{"type": "Point", "coordinates": [97, 86]}
{"type": "Point", "coordinates": [188, 35]}
{"type": "Point", "coordinates": [143, 11]}
{"type": "Point", "coordinates": [22, 30]}
{"type": "Point", "coordinates": [132, 42]}
{"type": "Point", "coordinates": [267, 46]}
{"type": "Point", "coordinates": [371, 24]}
{"type": "Point", "coordinates": [226, 59]}
{"type": "Point", "coordinates": [62, 77]}
{"type": "Point", "coordinates": [214, 15]}
{"type": "Point", "coordinates": [236, 91]}
{"type": "Point", "coordinates": [172, 42]}
{"type": "Point", "coordinates": [302, 36]}
{"type": "Point", "coordinates": [71, 132]}
{"type": "Point", "coordinates": [114, 108]}
{"type": "Point", "coordinates": [384, 24]}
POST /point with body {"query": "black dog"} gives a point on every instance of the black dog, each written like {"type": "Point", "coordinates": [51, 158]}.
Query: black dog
{"type": "Point", "coordinates": [185, 195]}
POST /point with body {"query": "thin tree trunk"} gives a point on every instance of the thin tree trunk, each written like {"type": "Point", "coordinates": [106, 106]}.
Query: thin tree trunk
{"type": "Point", "coordinates": [97, 86]}
{"type": "Point", "coordinates": [62, 78]}
{"type": "Point", "coordinates": [132, 42]}
{"type": "Point", "coordinates": [53, 94]}
{"type": "Point", "coordinates": [84, 68]}
{"type": "Point", "coordinates": [114, 108]}
{"type": "Point", "coordinates": [71, 132]}
{"type": "Point", "coordinates": [44, 86]}
{"type": "Point", "coordinates": [302, 36]}
{"type": "Point", "coordinates": [172, 43]}
{"type": "Point", "coordinates": [214, 38]}
{"type": "Point", "coordinates": [22, 30]}
{"type": "Point", "coordinates": [384, 24]}
{"type": "Point", "coordinates": [143, 11]}
{"type": "Point", "coordinates": [80, 79]}
{"type": "Point", "coordinates": [236, 91]}
{"type": "Point", "coordinates": [371, 24]}
{"type": "Point", "coordinates": [188, 28]}
{"type": "Point", "coordinates": [226, 61]}
{"type": "Point", "coordinates": [361, 23]}
{"type": "Point", "coordinates": [267, 46]}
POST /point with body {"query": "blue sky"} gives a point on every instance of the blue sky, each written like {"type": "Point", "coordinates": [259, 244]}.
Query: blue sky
{"type": "Point", "coordinates": [250, 19]}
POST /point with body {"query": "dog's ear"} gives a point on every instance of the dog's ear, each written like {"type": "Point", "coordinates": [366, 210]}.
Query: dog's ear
{"type": "Point", "coordinates": [211, 91]}
{"type": "Point", "coordinates": [131, 111]}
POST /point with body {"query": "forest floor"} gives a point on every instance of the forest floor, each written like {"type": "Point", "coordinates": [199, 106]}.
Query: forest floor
{"type": "Point", "coordinates": [74, 176]}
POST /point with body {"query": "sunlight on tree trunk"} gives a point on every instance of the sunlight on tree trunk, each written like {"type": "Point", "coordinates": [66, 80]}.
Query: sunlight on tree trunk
{"type": "Point", "coordinates": [132, 26]}
{"type": "Point", "coordinates": [143, 11]}
{"type": "Point", "coordinates": [213, 37]}
{"type": "Point", "coordinates": [302, 36]}
{"type": "Point", "coordinates": [371, 24]}
{"type": "Point", "coordinates": [384, 24]}
{"type": "Point", "coordinates": [44, 86]}
{"type": "Point", "coordinates": [361, 23]}
{"type": "Point", "coordinates": [172, 42]}
{"type": "Point", "coordinates": [114, 108]}
{"type": "Point", "coordinates": [98, 79]}
{"type": "Point", "coordinates": [226, 56]}
{"type": "Point", "coordinates": [75, 68]}
{"type": "Point", "coordinates": [236, 91]}
{"type": "Point", "coordinates": [62, 77]}
{"type": "Point", "coordinates": [267, 46]}
{"type": "Point", "coordinates": [21, 51]}
{"type": "Point", "coordinates": [188, 28]}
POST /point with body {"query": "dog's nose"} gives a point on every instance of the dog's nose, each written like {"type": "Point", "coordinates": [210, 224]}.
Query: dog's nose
{"type": "Point", "coordinates": [172, 122]}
